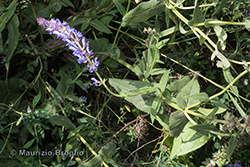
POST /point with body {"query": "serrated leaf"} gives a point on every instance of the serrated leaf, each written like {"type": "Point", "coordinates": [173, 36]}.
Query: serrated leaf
{"type": "Point", "coordinates": [98, 25]}
{"type": "Point", "coordinates": [188, 141]}
{"type": "Point", "coordinates": [143, 12]}
{"type": "Point", "coordinates": [177, 122]}
{"type": "Point", "coordinates": [197, 15]}
{"type": "Point", "coordinates": [62, 121]}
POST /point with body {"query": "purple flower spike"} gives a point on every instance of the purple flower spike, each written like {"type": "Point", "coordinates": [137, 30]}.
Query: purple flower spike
{"type": "Point", "coordinates": [73, 38]}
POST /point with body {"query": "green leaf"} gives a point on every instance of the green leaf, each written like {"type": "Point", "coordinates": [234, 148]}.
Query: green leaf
{"type": "Point", "coordinates": [247, 25]}
{"type": "Point", "coordinates": [98, 25]}
{"type": "Point", "coordinates": [168, 31]}
{"type": "Point", "coordinates": [212, 111]}
{"type": "Point", "coordinates": [163, 119]}
{"type": "Point", "coordinates": [13, 35]}
{"type": "Point", "coordinates": [81, 85]}
{"type": "Point", "coordinates": [68, 3]}
{"type": "Point", "coordinates": [229, 78]}
{"type": "Point", "coordinates": [157, 71]}
{"type": "Point", "coordinates": [29, 143]}
{"type": "Point", "coordinates": [242, 113]}
{"type": "Point", "coordinates": [222, 36]}
{"type": "Point", "coordinates": [141, 101]}
{"type": "Point", "coordinates": [119, 7]}
{"type": "Point", "coordinates": [164, 80]}
{"type": "Point", "coordinates": [36, 99]}
{"type": "Point", "coordinates": [62, 121]}
{"type": "Point", "coordinates": [222, 5]}
{"type": "Point", "coordinates": [204, 129]}
{"type": "Point", "coordinates": [5, 17]}
{"type": "Point", "coordinates": [108, 150]}
{"type": "Point", "coordinates": [198, 96]}
{"type": "Point", "coordinates": [231, 146]}
{"type": "Point", "coordinates": [197, 15]}
{"type": "Point", "coordinates": [96, 162]}
{"type": "Point", "coordinates": [177, 122]}
{"type": "Point", "coordinates": [192, 87]}
{"type": "Point", "coordinates": [155, 108]}
{"type": "Point", "coordinates": [224, 63]}
{"type": "Point", "coordinates": [143, 12]}
{"type": "Point", "coordinates": [177, 85]}
{"type": "Point", "coordinates": [188, 141]}
{"type": "Point", "coordinates": [218, 103]}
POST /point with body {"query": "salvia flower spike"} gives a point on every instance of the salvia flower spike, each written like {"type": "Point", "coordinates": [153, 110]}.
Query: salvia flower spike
{"type": "Point", "coordinates": [73, 38]}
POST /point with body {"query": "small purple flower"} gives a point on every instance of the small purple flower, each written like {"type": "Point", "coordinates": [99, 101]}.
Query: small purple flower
{"type": "Point", "coordinates": [87, 86]}
{"type": "Point", "coordinates": [95, 63]}
{"type": "Point", "coordinates": [95, 81]}
{"type": "Point", "coordinates": [84, 98]}
{"type": "Point", "coordinates": [236, 164]}
{"type": "Point", "coordinates": [28, 110]}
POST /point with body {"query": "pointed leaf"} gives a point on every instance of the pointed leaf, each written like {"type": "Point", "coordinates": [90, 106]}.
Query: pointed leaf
{"type": "Point", "coordinates": [231, 146]}
{"type": "Point", "coordinates": [119, 7]}
{"type": "Point", "coordinates": [198, 96]}
{"type": "Point", "coordinates": [177, 122]}
{"type": "Point", "coordinates": [155, 108]}
{"type": "Point", "coordinates": [197, 15]}
{"type": "Point", "coordinates": [164, 80]}
{"type": "Point", "coordinates": [98, 25]}
{"type": "Point", "coordinates": [5, 17]}
{"type": "Point", "coordinates": [143, 12]}
{"type": "Point", "coordinates": [62, 121]}
{"type": "Point", "coordinates": [188, 141]}
{"type": "Point", "coordinates": [242, 113]}
{"type": "Point", "coordinates": [29, 143]}
{"type": "Point", "coordinates": [204, 129]}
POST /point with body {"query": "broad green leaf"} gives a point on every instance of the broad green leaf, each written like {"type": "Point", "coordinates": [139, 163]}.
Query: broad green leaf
{"type": "Point", "coordinates": [68, 3]}
{"type": "Point", "coordinates": [247, 25]}
{"type": "Point", "coordinates": [198, 96]}
{"type": "Point", "coordinates": [229, 78]}
{"type": "Point", "coordinates": [162, 43]}
{"type": "Point", "coordinates": [197, 15]}
{"type": "Point", "coordinates": [141, 101]}
{"type": "Point", "coordinates": [177, 122]}
{"type": "Point", "coordinates": [143, 12]}
{"type": "Point", "coordinates": [192, 87]}
{"type": "Point", "coordinates": [177, 85]}
{"type": "Point", "coordinates": [242, 113]}
{"type": "Point", "coordinates": [224, 63]}
{"type": "Point", "coordinates": [108, 150]}
{"type": "Point", "coordinates": [95, 162]}
{"type": "Point", "coordinates": [81, 85]}
{"type": "Point", "coordinates": [163, 119]}
{"type": "Point", "coordinates": [119, 7]}
{"type": "Point", "coordinates": [212, 111]}
{"type": "Point", "coordinates": [188, 141]}
{"type": "Point", "coordinates": [29, 143]}
{"type": "Point", "coordinates": [5, 17]}
{"type": "Point", "coordinates": [204, 129]}
{"type": "Point", "coordinates": [218, 103]}
{"type": "Point", "coordinates": [62, 121]}
{"type": "Point", "coordinates": [222, 36]}
{"type": "Point", "coordinates": [77, 22]}
{"type": "Point", "coordinates": [155, 108]}
{"type": "Point", "coordinates": [98, 25]}
{"type": "Point", "coordinates": [231, 146]}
